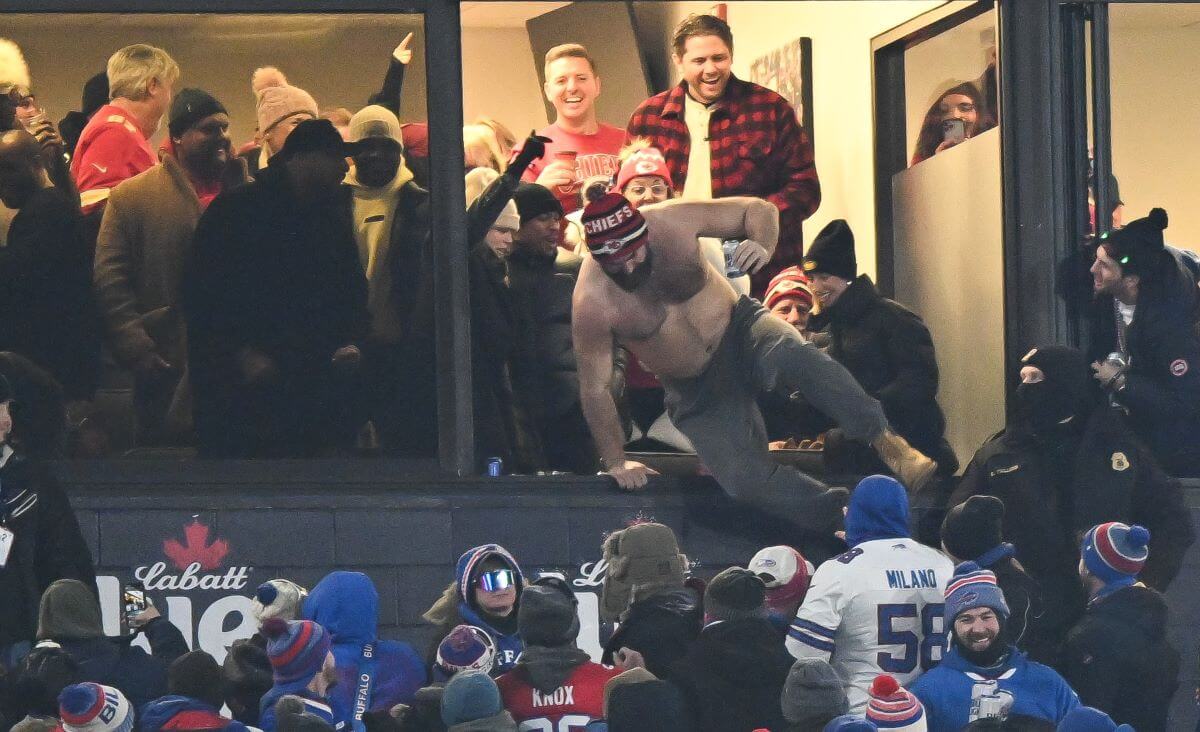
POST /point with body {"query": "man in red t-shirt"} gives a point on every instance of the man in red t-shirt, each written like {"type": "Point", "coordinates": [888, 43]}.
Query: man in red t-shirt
{"type": "Point", "coordinates": [555, 685]}
{"type": "Point", "coordinates": [582, 147]}
{"type": "Point", "coordinates": [114, 146]}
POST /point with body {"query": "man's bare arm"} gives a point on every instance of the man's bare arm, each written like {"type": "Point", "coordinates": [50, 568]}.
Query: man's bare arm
{"type": "Point", "coordinates": [594, 343]}
{"type": "Point", "coordinates": [738, 217]}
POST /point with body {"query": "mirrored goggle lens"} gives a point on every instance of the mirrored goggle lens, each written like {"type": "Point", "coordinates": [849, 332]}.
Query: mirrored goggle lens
{"type": "Point", "coordinates": [496, 580]}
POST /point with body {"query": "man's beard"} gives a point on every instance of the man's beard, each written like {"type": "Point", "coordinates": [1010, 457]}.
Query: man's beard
{"type": "Point", "coordinates": [630, 281]}
{"type": "Point", "coordinates": [988, 657]}
{"type": "Point", "coordinates": [205, 163]}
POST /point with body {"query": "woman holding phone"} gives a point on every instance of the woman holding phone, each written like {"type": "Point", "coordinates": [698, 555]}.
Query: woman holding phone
{"type": "Point", "coordinates": [958, 114]}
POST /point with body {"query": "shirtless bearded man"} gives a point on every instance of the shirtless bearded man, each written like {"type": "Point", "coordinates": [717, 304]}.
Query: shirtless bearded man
{"type": "Point", "coordinates": [647, 287]}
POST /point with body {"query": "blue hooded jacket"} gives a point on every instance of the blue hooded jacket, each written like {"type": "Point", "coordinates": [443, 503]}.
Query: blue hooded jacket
{"type": "Point", "coordinates": [878, 510]}
{"type": "Point", "coordinates": [508, 646]}
{"type": "Point", "coordinates": [945, 690]}
{"type": "Point", "coordinates": [347, 605]}
{"type": "Point", "coordinates": [186, 712]}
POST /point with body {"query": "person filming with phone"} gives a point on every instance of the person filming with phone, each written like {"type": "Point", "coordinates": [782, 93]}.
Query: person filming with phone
{"type": "Point", "coordinates": [958, 115]}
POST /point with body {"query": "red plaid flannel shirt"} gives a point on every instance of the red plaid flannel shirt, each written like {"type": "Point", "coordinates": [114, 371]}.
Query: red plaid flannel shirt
{"type": "Point", "coordinates": [758, 149]}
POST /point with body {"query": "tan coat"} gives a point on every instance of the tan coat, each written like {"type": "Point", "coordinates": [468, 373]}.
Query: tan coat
{"type": "Point", "coordinates": [144, 240]}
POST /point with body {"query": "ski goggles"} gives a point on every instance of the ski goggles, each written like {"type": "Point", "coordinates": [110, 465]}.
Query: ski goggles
{"type": "Point", "coordinates": [496, 580]}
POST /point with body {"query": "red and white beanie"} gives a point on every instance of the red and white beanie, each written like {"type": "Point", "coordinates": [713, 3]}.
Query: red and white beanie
{"type": "Point", "coordinates": [91, 707]}
{"type": "Point", "coordinates": [893, 707]}
{"type": "Point", "coordinates": [790, 282]}
{"type": "Point", "coordinates": [647, 161]}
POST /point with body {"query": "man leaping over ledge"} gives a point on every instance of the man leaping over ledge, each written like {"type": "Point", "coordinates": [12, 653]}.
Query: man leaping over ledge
{"type": "Point", "coordinates": [647, 287]}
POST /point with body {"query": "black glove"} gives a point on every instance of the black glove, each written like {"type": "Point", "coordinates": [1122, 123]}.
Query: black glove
{"type": "Point", "coordinates": [533, 148]}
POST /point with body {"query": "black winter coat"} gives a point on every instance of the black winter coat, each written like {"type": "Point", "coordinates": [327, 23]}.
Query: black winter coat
{"type": "Point", "coordinates": [733, 675]}
{"type": "Point", "coordinates": [1162, 391]}
{"type": "Point", "coordinates": [1113, 477]}
{"type": "Point", "coordinates": [1118, 658]}
{"type": "Point", "coordinates": [116, 662]}
{"type": "Point", "coordinates": [889, 351]}
{"type": "Point", "coordinates": [47, 545]}
{"type": "Point", "coordinates": [47, 313]}
{"type": "Point", "coordinates": [543, 287]}
{"type": "Point", "coordinates": [661, 627]}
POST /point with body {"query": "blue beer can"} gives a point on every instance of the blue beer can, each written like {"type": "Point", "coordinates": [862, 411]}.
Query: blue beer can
{"type": "Point", "coordinates": [495, 467]}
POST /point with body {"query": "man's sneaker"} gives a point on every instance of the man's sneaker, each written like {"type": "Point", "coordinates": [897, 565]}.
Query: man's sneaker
{"type": "Point", "coordinates": [910, 466]}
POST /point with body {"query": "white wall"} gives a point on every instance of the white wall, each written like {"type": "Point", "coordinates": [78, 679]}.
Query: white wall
{"type": "Point", "coordinates": [1155, 121]}
{"type": "Point", "coordinates": [499, 79]}
{"type": "Point", "coordinates": [841, 33]}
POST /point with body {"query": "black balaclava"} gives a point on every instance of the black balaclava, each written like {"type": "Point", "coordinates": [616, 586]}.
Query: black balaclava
{"type": "Point", "coordinates": [1062, 395]}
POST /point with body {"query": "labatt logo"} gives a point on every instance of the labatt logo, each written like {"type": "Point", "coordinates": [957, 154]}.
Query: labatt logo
{"type": "Point", "coordinates": [192, 590]}
{"type": "Point", "coordinates": [194, 555]}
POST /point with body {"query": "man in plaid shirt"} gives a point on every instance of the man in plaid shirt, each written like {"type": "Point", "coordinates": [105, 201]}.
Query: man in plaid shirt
{"type": "Point", "coordinates": [755, 145]}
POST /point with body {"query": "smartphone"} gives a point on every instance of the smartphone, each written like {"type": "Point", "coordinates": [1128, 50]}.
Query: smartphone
{"type": "Point", "coordinates": [133, 602]}
{"type": "Point", "coordinates": [954, 131]}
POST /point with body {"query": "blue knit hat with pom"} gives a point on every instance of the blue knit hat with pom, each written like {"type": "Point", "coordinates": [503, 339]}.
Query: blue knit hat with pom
{"type": "Point", "coordinates": [297, 648]}
{"type": "Point", "coordinates": [1115, 553]}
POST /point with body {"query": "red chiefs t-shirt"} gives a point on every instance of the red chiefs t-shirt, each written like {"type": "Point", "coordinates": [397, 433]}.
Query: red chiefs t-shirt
{"type": "Point", "coordinates": [595, 155]}
{"type": "Point", "coordinates": [111, 149]}
{"type": "Point", "coordinates": [569, 708]}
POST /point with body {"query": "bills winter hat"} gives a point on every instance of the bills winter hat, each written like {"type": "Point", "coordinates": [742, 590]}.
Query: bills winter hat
{"type": "Point", "coordinates": [297, 648]}
{"type": "Point", "coordinates": [891, 706]}
{"type": "Point", "coordinates": [1137, 245]}
{"type": "Point", "coordinates": [790, 282]}
{"type": "Point", "coordinates": [832, 252]}
{"type": "Point", "coordinates": [735, 594]}
{"type": "Point", "coordinates": [614, 230]}
{"type": "Point", "coordinates": [647, 161]}
{"type": "Point", "coordinates": [972, 587]}
{"type": "Point", "coordinates": [190, 106]}
{"type": "Point", "coordinates": [91, 707]}
{"type": "Point", "coordinates": [1116, 552]}
{"type": "Point", "coordinates": [785, 573]}
{"type": "Point", "coordinates": [466, 648]}
{"type": "Point", "coordinates": [973, 527]}
{"type": "Point", "coordinates": [813, 693]}
{"type": "Point", "coordinates": [547, 616]}
{"type": "Point", "coordinates": [277, 598]}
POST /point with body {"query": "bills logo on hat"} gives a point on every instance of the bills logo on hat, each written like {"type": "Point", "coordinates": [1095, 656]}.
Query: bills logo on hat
{"type": "Point", "coordinates": [1179, 367]}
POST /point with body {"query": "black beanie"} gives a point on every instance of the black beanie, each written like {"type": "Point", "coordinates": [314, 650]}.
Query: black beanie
{"type": "Point", "coordinates": [832, 252]}
{"type": "Point", "coordinates": [534, 200]}
{"type": "Point", "coordinates": [196, 675]}
{"type": "Point", "coordinates": [972, 528]}
{"type": "Point", "coordinates": [547, 615]}
{"type": "Point", "coordinates": [1138, 245]}
{"type": "Point", "coordinates": [734, 594]}
{"type": "Point", "coordinates": [95, 93]}
{"type": "Point", "coordinates": [189, 107]}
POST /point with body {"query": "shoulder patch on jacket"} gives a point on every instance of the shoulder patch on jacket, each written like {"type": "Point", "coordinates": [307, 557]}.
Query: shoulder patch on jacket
{"type": "Point", "coordinates": [1179, 367]}
{"type": "Point", "coordinates": [1005, 471]}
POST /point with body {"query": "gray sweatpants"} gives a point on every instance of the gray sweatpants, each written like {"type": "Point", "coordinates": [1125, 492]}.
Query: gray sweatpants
{"type": "Point", "coordinates": [718, 411]}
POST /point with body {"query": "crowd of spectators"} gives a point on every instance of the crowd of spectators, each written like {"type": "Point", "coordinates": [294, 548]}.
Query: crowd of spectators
{"type": "Point", "coordinates": [277, 300]}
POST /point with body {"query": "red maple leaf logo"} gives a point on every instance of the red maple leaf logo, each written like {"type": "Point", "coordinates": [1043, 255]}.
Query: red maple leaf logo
{"type": "Point", "coordinates": [196, 548]}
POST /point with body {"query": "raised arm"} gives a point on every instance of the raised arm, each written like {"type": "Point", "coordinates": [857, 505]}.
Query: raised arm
{"type": "Point", "coordinates": [753, 220]}
{"type": "Point", "coordinates": [594, 344]}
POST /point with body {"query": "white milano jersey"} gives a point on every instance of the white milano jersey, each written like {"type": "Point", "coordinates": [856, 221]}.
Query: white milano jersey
{"type": "Point", "coordinates": [875, 609]}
